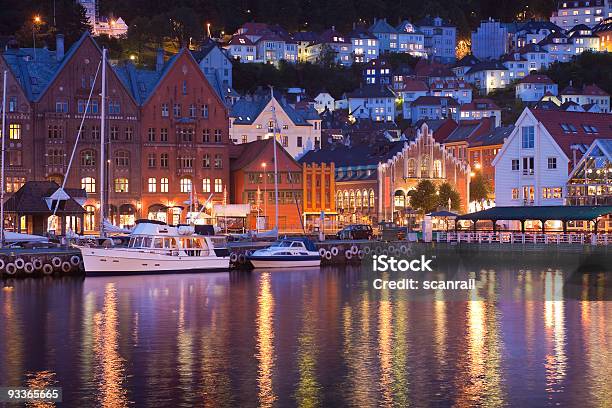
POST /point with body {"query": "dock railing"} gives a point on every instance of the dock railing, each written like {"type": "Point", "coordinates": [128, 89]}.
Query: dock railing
{"type": "Point", "coordinates": [508, 237]}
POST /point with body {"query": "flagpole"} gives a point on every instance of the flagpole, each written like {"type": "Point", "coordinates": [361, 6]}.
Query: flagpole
{"type": "Point", "coordinates": [2, 160]}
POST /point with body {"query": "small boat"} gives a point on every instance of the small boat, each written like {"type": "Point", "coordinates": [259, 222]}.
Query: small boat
{"type": "Point", "coordinates": [155, 247]}
{"type": "Point", "coordinates": [287, 253]}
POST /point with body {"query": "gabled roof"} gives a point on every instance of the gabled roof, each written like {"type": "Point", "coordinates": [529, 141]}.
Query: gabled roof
{"type": "Point", "coordinates": [494, 137]}
{"type": "Point", "coordinates": [354, 155]}
{"type": "Point", "coordinates": [332, 36]}
{"type": "Point", "coordinates": [568, 128]}
{"type": "Point", "coordinates": [407, 27]}
{"type": "Point", "coordinates": [487, 66]}
{"type": "Point", "coordinates": [37, 68]}
{"type": "Point", "coordinates": [372, 91]}
{"type": "Point", "coordinates": [361, 33]}
{"type": "Point", "coordinates": [246, 110]}
{"type": "Point", "coordinates": [241, 155]}
{"type": "Point", "coordinates": [531, 48]}
{"type": "Point", "coordinates": [306, 36]}
{"type": "Point", "coordinates": [414, 85]}
{"type": "Point", "coordinates": [534, 26]}
{"type": "Point", "coordinates": [462, 132]}
{"type": "Point", "coordinates": [430, 69]}
{"type": "Point", "coordinates": [536, 79]}
{"type": "Point", "coordinates": [381, 26]}
{"type": "Point", "coordinates": [430, 22]}
{"type": "Point", "coordinates": [480, 105]}
{"type": "Point", "coordinates": [550, 38]}
{"type": "Point", "coordinates": [467, 61]}
{"type": "Point", "coordinates": [592, 90]}
{"type": "Point", "coordinates": [30, 199]}
{"type": "Point", "coordinates": [428, 100]}
{"type": "Point", "coordinates": [207, 46]}
{"type": "Point", "coordinates": [240, 40]}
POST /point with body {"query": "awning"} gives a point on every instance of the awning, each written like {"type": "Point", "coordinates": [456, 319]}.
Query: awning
{"type": "Point", "coordinates": [443, 214]}
{"type": "Point", "coordinates": [542, 213]}
{"type": "Point", "coordinates": [232, 210]}
{"type": "Point", "coordinates": [155, 208]}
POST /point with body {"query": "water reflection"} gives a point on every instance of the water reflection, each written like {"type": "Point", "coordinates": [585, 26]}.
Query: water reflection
{"type": "Point", "coordinates": [265, 341]}
{"type": "Point", "coordinates": [109, 368]}
{"type": "Point", "coordinates": [318, 338]}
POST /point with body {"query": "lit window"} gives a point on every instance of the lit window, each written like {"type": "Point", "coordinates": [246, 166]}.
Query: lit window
{"type": "Point", "coordinates": [185, 185]}
{"type": "Point", "coordinates": [152, 185]}
{"type": "Point", "coordinates": [88, 184]}
{"type": "Point", "coordinates": [206, 185]}
{"type": "Point", "coordinates": [122, 185]}
{"type": "Point", "coordinates": [218, 185]}
{"type": "Point", "coordinates": [15, 131]}
{"type": "Point", "coordinates": [163, 185]}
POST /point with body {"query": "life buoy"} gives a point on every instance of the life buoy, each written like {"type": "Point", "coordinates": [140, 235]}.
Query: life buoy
{"type": "Point", "coordinates": [360, 254]}
{"type": "Point", "coordinates": [378, 250]}
{"type": "Point", "coordinates": [56, 261]}
{"type": "Point", "coordinates": [367, 250]}
{"type": "Point", "coordinates": [47, 269]}
{"type": "Point", "coordinates": [348, 254]}
{"type": "Point", "coordinates": [354, 249]}
{"type": "Point", "coordinates": [391, 249]}
{"type": "Point", "coordinates": [334, 251]}
{"type": "Point", "coordinates": [66, 267]}
{"type": "Point", "coordinates": [74, 260]}
{"type": "Point", "coordinates": [248, 252]}
{"type": "Point", "coordinates": [19, 263]}
{"type": "Point", "coordinates": [385, 252]}
{"type": "Point", "coordinates": [403, 249]}
{"type": "Point", "coordinates": [10, 269]}
{"type": "Point", "coordinates": [328, 255]}
{"type": "Point", "coordinates": [241, 259]}
{"type": "Point", "coordinates": [322, 251]}
{"type": "Point", "coordinates": [2, 264]}
{"type": "Point", "coordinates": [28, 267]}
{"type": "Point", "coordinates": [38, 264]}
{"type": "Point", "coordinates": [233, 257]}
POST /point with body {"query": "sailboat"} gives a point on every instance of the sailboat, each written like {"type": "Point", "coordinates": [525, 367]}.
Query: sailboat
{"type": "Point", "coordinates": [154, 246]}
{"type": "Point", "coordinates": [286, 253]}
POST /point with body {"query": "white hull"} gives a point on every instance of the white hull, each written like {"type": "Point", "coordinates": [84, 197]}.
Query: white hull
{"type": "Point", "coordinates": [262, 263]}
{"type": "Point", "coordinates": [123, 260]}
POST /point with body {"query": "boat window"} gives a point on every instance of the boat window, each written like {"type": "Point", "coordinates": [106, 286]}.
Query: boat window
{"type": "Point", "coordinates": [297, 245]}
{"type": "Point", "coordinates": [131, 243]}
{"type": "Point", "coordinates": [169, 243]}
{"type": "Point", "coordinates": [158, 243]}
{"type": "Point", "coordinates": [146, 242]}
{"type": "Point", "coordinates": [137, 242]}
{"type": "Point", "coordinates": [197, 243]}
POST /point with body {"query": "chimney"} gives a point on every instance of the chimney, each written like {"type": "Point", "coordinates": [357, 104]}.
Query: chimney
{"type": "Point", "coordinates": [59, 47]}
{"type": "Point", "coordinates": [159, 61]}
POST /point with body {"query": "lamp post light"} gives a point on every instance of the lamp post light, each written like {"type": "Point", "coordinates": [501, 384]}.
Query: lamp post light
{"type": "Point", "coordinates": [36, 21]}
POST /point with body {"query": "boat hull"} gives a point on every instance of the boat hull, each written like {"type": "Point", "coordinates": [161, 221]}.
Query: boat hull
{"type": "Point", "coordinates": [108, 261]}
{"type": "Point", "coordinates": [283, 262]}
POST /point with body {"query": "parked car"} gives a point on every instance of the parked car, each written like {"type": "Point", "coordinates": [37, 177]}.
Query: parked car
{"type": "Point", "coordinates": [356, 231]}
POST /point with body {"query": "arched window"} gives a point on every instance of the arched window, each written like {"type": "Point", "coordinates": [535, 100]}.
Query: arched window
{"type": "Point", "coordinates": [90, 218]}
{"type": "Point", "coordinates": [339, 202]}
{"type": "Point", "coordinates": [352, 199]}
{"type": "Point", "coordinates": [185, 185]}
{"type": "Point", "coordinates": [152, 184]}
{"type": "Point", "coordinates": [163, 185]}
{"type": "Point", "coordinates": [88, 184]}
{"type": "Point", "coordinates": [371, 198]}
{"type": "Point", "coordinates": [425, 166]}
{"type": "Point", "coordinates": [437, 169]}
{"type": "Point", "coordinates": [358, 202]}
{"type": "Point", "coordinates": [411, 168]}
{"type": "Point", "coordinates": [122, 158]}
{"type": "Point", "coordinates": [366, 201]}
{"type": "Point", "coordinates": [346, 200]}
{"type": "Point", "coordinates": [88, 158]}
{"type": "Point", "coordinates": [399, 199]}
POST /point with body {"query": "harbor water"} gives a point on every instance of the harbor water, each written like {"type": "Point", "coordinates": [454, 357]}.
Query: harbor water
{"type": "Point", "coordinates": [314, 337]}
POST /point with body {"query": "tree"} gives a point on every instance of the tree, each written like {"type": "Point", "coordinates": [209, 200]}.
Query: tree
{"type": "Point", "coordinates": [479, 187]}
{"type": "Point", "coordinates": [424, 197]}
{"type": "Point", "coordinates": [446, 192]}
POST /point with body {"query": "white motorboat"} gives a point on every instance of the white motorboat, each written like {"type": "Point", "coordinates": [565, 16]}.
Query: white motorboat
{"type": "Point", "coordinates": [155, 247]}
{"type": "Point", "coordinates": [287, 253]}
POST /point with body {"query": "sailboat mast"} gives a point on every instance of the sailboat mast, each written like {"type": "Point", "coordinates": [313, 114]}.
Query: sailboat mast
{"type": "Point", "coordinates": [102, 144]}
{"type": "Point", "coordinates": [4, 79]}
{"type": "Point", "coordinates": [275, 161]}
